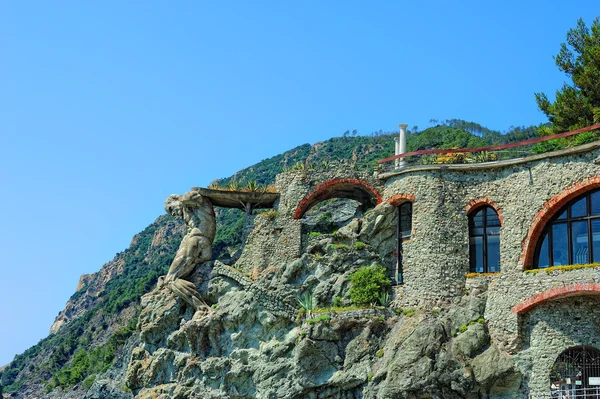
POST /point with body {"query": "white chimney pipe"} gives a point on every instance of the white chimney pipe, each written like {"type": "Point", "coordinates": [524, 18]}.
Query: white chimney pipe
{"type": "Point", "coordinates": [402, 144]}
{"type": "Point", "coordinates": [396, 151]}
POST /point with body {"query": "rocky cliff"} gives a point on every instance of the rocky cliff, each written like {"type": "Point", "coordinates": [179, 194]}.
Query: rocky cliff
{"type": "Point", "coordinates": [254, 343]}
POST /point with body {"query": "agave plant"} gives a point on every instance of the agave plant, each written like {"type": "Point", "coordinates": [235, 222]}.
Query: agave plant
{"type": "Point", "coordinates": [252, 186]}
{"type": "Point", "coordinates": [385, 299]}
{"type": "Point", "coordinates": [234, 185]}
{"type": "Point", "coordinates": [306, 303]}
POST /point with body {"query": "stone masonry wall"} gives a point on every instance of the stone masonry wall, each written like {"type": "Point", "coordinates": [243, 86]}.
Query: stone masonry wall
{"type": "Point", "coordinates": [436, 258]}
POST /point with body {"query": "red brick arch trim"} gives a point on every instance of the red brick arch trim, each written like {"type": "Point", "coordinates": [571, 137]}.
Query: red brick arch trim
{"type": "Point", "coordinates": [556, 293]}
{"type": "Point", "coordinates": [549, 209]}
{"type": "Point", "coordinates": [400, 198]}
{"type": "Point", "coordinates": [356, 189]}
{"type": "Point", "coordinates": [478, 203]}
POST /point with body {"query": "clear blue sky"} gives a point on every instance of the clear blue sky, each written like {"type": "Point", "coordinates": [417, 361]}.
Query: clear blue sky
{"type": "Point", "coordinates": [106, 108]}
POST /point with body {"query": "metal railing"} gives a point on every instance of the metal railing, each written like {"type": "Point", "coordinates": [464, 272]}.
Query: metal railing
{"type": "Point", "coordinates": [576, 393]}
{"type": "Point", "coordinates": [473, 155]}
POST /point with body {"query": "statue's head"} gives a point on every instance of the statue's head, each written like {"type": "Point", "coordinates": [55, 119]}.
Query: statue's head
{"type": "Point", "coordinates": [173, 205]}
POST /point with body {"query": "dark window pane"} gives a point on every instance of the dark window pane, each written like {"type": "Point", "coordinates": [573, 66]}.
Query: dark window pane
{"type": "Point", "coordinates": [579, 242]}
{"type": "Point", "coordinates": [492, 231]}
{"type": "Point", "coordinates": [560, 243]}
{"type": "Point", "coordinates": [543, 260]}
{"type": "Point", "coordinates": [493, 253]}
{"type": "Point", "coordinates": [478, 218]}
{"type": "Point", "coordinates": [595, 203]}
{"type": "Point", "coordinates": [477, 231]}
{"type": "Point", "coordinates": [563, 215]}
{"type": "Point", "coordinates": [476, 249]}
{"type": "Point", "coordinates": [596, 238]}
{"type": "Point", "coordinates": [492, 217]}
{"type": "Point", "coordinates": [406, 219]}
{"type": "Point", "coordinates": [579, 208]}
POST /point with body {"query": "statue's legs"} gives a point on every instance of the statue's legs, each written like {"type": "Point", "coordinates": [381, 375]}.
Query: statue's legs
{"type": "Point", "coordinates": [193, 250]}
{"type": "Point", "coordinates": [187, 291]}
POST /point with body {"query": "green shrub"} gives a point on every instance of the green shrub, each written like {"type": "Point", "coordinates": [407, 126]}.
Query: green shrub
{"type": "Point", "coordinates": [358, 245]}
{"type": "Point", "coordinates": [463, 328]}
{"type": "Point", "coordinates": [380, 353]}
{"type": "Point", "coordinates": [323, 318]}
{"type": "Point", "coordinates": [340, 247]}
{"type": "Point", "coordinates": [367, 283]}
{"type": "Point", "coordinates": [336, 301]}
{"type": "Point", "coordinates": [314, 234]}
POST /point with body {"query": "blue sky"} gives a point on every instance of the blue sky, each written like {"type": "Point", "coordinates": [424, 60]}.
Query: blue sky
{"type": "Point", "coordinates": [106, 108]}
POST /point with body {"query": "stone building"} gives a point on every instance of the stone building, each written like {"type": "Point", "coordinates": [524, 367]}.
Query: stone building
{"type": "Point", "coordinates": [527, 230]}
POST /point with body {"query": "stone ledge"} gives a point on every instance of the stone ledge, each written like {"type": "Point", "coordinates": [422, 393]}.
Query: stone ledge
{"type": "Point", "coordinates": [556, 293]}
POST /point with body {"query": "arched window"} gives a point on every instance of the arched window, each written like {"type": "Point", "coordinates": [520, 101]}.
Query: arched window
{"type": "Point", "coordinates": [572, 236]}
{"type": "Point", "coordinates": [484, 240]}
{"type": "Point", "coordinates": [403, 231]}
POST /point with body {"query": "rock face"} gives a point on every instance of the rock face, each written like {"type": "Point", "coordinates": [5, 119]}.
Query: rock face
{"type": "Point", "coordinates": [253, 343]}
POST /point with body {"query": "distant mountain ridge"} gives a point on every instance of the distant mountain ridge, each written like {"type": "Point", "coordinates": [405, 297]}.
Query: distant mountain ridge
{"type": "Point", "coordinates": [88, 335]}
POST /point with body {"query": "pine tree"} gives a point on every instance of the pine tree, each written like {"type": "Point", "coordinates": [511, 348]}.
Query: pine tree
{"type": "Point", "coordinates": [578, 104]}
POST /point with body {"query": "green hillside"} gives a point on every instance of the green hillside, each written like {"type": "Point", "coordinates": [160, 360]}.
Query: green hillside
{"type": "Point", "coordinates": [88, 344]}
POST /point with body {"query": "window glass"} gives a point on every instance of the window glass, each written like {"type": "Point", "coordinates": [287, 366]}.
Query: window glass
{"type": "Point", "coordinates": [406, 219]}
{"type": "Point", "coordinates": [476, 244]}
{"type": "Point", "coordinates": [579, 242]}
{"type": "Point", "coordinates": [484, 240]}
{"type": "Point", "coordinates": [574, 232]}
{"type": "Point", "coordinates": [579, 208]}
{"type": "Point", "coordinates": [544, 260]}
{"type": "Point", "coordinates": [493, 253]}
{"type": "Point", "coordinates": [595, 197]}
{"type": "Point", "coordinates": [492, 218]}
{"type": "Point", "coordinates": [596, 239]}
{"type": "Point", "coordinates": [478, 218]}
{"type": "Point", "coordinates": [560, 245]}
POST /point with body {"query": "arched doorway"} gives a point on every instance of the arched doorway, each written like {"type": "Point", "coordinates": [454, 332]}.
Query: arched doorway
{"type": "Point", "coordinates": [576, 374]}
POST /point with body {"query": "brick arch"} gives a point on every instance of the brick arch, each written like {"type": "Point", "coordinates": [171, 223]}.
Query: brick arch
{"type": "Point", "coordinates": [355, 189]}
{"type": "Point", "coordinates": [400, 198]}
{"type": "Point", "coordinates": [480, 202]}
{"type": "Point", "coordinates": [556, 293]}
{"type": "Point", "coordinates": [548, 210]}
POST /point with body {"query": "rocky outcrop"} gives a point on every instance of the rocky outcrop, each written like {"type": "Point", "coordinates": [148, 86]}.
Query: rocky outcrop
{"type": "Point", "coordinates": [254, 344]}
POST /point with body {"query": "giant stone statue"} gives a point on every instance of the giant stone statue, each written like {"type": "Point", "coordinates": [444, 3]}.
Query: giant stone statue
{"type": "Point", "coordinates": [199, 216]}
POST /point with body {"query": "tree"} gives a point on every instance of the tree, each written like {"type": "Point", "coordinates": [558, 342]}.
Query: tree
{"type": "Point", "coordinates": [578, 104]}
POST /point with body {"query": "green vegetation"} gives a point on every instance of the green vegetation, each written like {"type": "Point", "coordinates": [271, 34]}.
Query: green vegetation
{"type": "Point", "coordinates": [314, 234]}
{"type": "Point", "coordinates": [384, 299]}
{"type": "Point", "coordinates": [70, 353]}
{"type": "Point", "coordinates": [324, 318]}
{"type": "Point", "coordinates": [307, 304]}
{"type": "Point", "coordinates": [565, 268]}
{"type": "Point", "coordinates": [367, 283]}
{"type": "Point", "coordinates": [336, 301]}
{"type": "Point", "coordinates": [367, 149]}
{"type": "Point", "coordinates": [408, 312]}
{"type": "Point", "coordinates": [358, 245]}
{"type": "Point", "coordinates": [340, 247]}
{"type": "Point", "coordinates": [380, 353]}
{"type": "Point", "coordinates": [578, 104]}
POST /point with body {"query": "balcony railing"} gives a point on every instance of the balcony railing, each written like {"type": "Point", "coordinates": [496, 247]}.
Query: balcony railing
{"type": "Point", "coordinates": [493, 153]}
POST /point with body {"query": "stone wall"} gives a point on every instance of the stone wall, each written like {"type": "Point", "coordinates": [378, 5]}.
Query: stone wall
{"type": "Point", "coordinates": [526, 194]}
